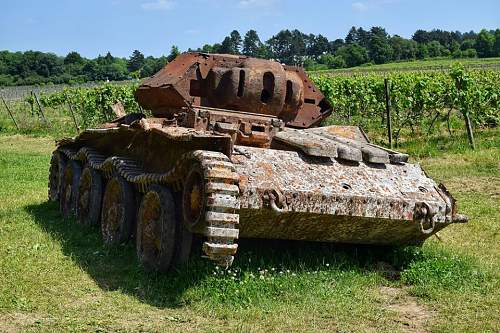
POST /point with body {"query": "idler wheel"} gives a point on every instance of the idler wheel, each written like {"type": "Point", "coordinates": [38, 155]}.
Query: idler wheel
{"type": "Point", "coordinates": [193, 198]}
{"type": "Point", "coordinates": [118, 211]}
{"type": "Point", "coordinates": [56, 171]}
{"type": "Point", "coordinates": [69, 189]}
{"type": "Point", "coordinates": [162, 241]}
{"type": "Point", "coordinates": [89, 197]}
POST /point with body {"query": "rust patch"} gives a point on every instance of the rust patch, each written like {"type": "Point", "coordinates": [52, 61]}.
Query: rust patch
{"type": "Point", "coordinates": [236, 83]}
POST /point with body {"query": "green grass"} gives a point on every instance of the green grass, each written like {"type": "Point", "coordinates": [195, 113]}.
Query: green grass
{"type": "Point", "coordinates": [418, 65]}
{"type": "Point", "coordinates": [56, 275]}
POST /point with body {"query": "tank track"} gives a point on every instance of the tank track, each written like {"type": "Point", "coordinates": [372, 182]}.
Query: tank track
{"type": "Point", "coordinates": [221, 188]}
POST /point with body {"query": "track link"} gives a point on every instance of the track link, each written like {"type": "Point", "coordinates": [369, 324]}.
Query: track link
{"type": "Point", "coordinates": [221, 188]}
{"type": "Point", "coordinates": [221, 206]}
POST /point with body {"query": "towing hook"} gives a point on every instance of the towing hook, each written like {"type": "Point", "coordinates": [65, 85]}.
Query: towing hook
{"type": "Point", "coordinates": [276, 201]}
{"type": "Point", "coordinates": [425, 214]}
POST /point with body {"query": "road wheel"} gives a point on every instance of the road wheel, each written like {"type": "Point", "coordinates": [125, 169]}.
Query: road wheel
{"type": "Point", "coordinates": [89, 197]}
{"type": "Point", "coordinates": [118, 211]}
{"type": "Point", "coordinates": [56, 171]}
{"type": "Point", "coordinates": [69, 189]}
{"type": "Point", "coordinates": [162, 241]}
{"type": "Point", "coordinates": [156, 229]}
{"type": "Point", "coordinates": [193, 199]}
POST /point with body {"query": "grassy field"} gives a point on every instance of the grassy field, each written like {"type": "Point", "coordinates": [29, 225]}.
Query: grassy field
{"type": "Point", "coordinates": [418, 65]}
{"type": "Point", "coordinates": [58, 276]}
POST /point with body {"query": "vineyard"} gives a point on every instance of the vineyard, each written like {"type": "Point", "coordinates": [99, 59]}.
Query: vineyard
{"type": "Point", "coordinates": [422, 103]}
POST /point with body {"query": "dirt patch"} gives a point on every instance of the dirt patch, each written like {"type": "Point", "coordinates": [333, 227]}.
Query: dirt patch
{"type": "Point", "coordinates": [411, 316]}
{"type": "Point", "coordinates": [18, 321]}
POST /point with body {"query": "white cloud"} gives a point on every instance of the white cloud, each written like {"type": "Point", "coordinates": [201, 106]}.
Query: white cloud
{"type": "Point", "coordinates": [255, 3]}
{"type": "Point", "coordinates": [191, 31]}
{"type": "Point", "coordinates": [158, 5]}
{"type": "Point", "coordinates": [363, 6]}
{"type": "Point", "coordinates": [360, 6]}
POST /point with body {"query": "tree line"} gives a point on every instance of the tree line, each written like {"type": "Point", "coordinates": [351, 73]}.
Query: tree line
{"type": "Point", "coordinates": [291, 47]}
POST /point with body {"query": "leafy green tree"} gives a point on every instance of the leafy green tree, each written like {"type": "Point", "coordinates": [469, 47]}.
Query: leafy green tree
{"type": "Point", "coordinates": [496, 46]}
{"type": "Point", "coordinates": [252, 44]}
{"type": "Point", "coordinates": [434, 49]}
{"type": "Point", "coordinates": [174, 52]}
{"type": "Point", "coordinates": [380, 49]}
{"type": "Point", "coordinates": [332, 61]}
{"type": "Point", "coordinates": [403, 49]}
{"type": "Point", "coordinates": [90, 70]}
{"type": "Point", "coordinates": [153, 65]}
{"type": "Point", "coordinates": [6, 80]}
{"type": "Point", "coordinates": [227, 46]}
{"type": "Point", "coordinates": [484, 44]}
{"type": "Point", "coordinates": [280, 46]}
{"type": "Point", "coordinates": [73, 58]}
{"type": "Point", "coordinates": [467, 44]}
{"type": "Point", "coordinates": [352, 36]}
{"type": "Point", "coordinates": [73, 66]}
{"type": "Point", "coordinates": [235, 41]}
{"type": "Point", "coordinates": [469, 53]}
{"type": "Point", "coordinates": [363, 37]}
{"type": "Point", "coordinates": [317, 45]}
{"type": "Point", "coordinates": [454, 46]}
{"type": "Point", "coordinates": [207, 48]}
{"type": "Point", "coordinates": [108, 59]}
{"type": "Point", "coordinates": [231, 44]}
{"type": "Point", "coordinates": [217, 48]}
{"type": "Point", "coordinates": [288, 46]}
{"type": "Point", "coordinates": [421, 37]}
{"type": "Point", "coordinates": [353, 55]}
{"type": "Point", "coordinates": [136, 61]}
{"type": "Point", "coordinates": [335, 45]}
{"type": "Point", "coordinates": [422, 51]}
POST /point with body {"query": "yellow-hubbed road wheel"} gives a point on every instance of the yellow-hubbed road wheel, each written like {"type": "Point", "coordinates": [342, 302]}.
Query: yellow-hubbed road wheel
{"type": "Point", "coordinates": [118, 211]}
{"type": "Point", "coordinates": [162, 241]}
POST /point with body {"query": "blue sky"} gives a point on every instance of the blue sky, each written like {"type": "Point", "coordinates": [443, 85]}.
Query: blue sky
{"type": "Point", "coordinates": [94, 27]}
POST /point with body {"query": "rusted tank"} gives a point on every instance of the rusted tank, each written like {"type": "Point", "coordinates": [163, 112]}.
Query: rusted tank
{"type": "Point", "coordinates": [234, 149]}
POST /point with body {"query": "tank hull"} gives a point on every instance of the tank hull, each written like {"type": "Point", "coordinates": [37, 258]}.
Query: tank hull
{"type": "Point", "coordinates": [287, 194]}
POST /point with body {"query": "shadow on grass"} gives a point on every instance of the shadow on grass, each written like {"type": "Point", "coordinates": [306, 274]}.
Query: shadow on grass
{"type": "Point", "coordinates": [117, 268]}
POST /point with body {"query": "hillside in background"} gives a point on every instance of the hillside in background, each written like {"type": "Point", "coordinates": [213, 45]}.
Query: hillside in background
{"type": "Point", "coordinates": [434, 64]}
{"type": "Point", "coordinates": [293, 47]}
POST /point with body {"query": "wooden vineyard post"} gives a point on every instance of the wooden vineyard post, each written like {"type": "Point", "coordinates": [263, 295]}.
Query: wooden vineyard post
{"type": "Point", "coordinates": [10, 113]}
{"type": "Point", "coordinates": [32, 109]}
{"type": "Point", "coordinates": [468, 126]}
{"type": "Point", "coordinates": [72, 112]}
{"type": "Point", "coordinates": [40, 108]}
{"type": "Point", "coordinates": [387, 84]}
